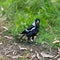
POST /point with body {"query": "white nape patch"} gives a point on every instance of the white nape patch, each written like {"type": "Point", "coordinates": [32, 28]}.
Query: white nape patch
{"type": "Point", "coordinates": [33, 24]}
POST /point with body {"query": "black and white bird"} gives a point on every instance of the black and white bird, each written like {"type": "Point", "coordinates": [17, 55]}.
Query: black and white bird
{"type": "Point", "coordinates": [32, 31]}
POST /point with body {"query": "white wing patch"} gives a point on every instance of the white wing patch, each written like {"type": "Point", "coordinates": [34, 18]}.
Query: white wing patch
{"type": "Point", "coordinates": [27, 30]}
{"type": "Point", "coordinates": [32, 28]}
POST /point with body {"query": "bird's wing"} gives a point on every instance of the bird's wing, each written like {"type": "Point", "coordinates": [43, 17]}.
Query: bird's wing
{"type": "Point", "coordinates": [33, 28]}
{"type": "Point", "coordinates": [27, 30]}
{"type": "Point", "coordinates": [30, 27]}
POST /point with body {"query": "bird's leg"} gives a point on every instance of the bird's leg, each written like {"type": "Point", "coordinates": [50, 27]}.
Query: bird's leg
{"type": "Point", "coordinates": [28, 39]}
{"type": "Point", "coordinates": [32, 38]}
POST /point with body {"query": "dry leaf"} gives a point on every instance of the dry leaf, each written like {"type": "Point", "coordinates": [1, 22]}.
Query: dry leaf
{"type": "Point", "coordinates": [17, 56]}
{"type": "Point", "coordinates": [4, 27]}
{"type": "Point", "coordinates": [57, 41]}
{"type": "Point", "coordinates": [33, 56]}
{"type": "Point", "coordinates": [46, 55]}
{"type": "Point", "coordinates": [7, 52]}
{"type": "Point", "coordinates": [31, 50]}
{"type": "Point", "coordinates": [14, 52]}
{"type": "Point", "coordinates": [21, 48]}
{"type": "Point", "coordinates": [58, 51]}
{"type": "Point", "coordinates": [37, 55]}
{"type": "Point", "coordinates": [28, 56]}
{"type": "Point", "coordinates": [1, 43]}
{"type": "Point", "coordinates": [9, 37]}
{"type": "Point", "coordinates": [58, 59]}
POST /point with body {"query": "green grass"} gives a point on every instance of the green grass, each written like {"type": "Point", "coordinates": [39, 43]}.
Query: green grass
{"type": "Point", "coordinates": [22, 13]}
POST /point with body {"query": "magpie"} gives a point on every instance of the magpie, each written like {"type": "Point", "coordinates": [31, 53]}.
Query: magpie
{"type": "Point", "coordinates": [32, 31]}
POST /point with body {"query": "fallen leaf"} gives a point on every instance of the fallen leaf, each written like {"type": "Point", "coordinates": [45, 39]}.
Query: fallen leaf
{"type": "Point", "coordinates": [46, 55]}
{"type": "Point", "coordinates": [14, 52]}
{"type": "Point", "coordinates": [28, 56]}
{"type": "Point", "coordinates": [4, 27]}
{"type": "Point", "coordinates": [33, 56]}
{"type": "Point", "coordinates": [57, 41]}
{"type": "Point", "coordinates": [14, 57]}
{"type": "Point", "coordinates": [9, 37]}
{"type": "Point", "coordinates": [22, 48]}
{"type": "Point", "coordinates": [56, 56]}
{"type": "Point", "coordinates": [58, 51]}
{"type": "Point", "coordinates": [1, 43]}
{"type": "Point", "coordinates": [7, 52]}
{"type": "Point", "coordinates": [31, 50]}
{"type": "Point", "coordinates": [37, 55]}
{"type": "Point", "coordinates": [58, 59]}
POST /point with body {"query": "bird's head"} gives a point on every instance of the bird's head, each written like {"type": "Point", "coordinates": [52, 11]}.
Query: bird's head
{"type": "Point", "coordinates": [37, 21]}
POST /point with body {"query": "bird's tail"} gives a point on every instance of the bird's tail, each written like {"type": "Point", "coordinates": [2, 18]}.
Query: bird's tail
{"type": "Point", "coordinates": [20, 36]}
{"type": "Point", "coordinates": [23, 32]}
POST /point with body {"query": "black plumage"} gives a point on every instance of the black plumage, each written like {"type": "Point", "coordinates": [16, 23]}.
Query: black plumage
{"type": "Point", "coordinates": [32, 31]}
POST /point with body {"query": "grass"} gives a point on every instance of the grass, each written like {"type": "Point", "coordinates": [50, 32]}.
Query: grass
{"type": "Point", "coordinates": [22, 13]}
